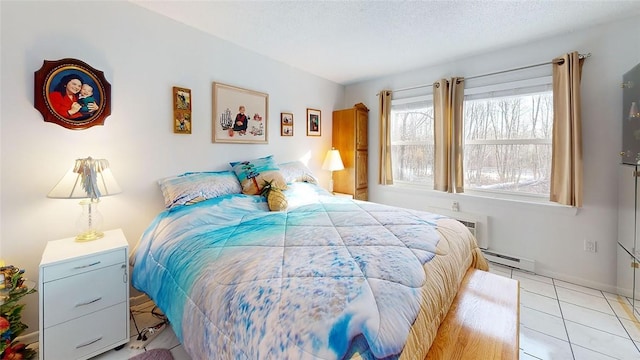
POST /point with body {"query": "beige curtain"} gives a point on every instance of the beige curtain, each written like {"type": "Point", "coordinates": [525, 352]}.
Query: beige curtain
{"type": "Point", "coordinates": [457, 101]}
{"type": "Point", "coordinates": [386, 174]}
{"type": "Point", "coordinates": [448, 97]}
{"type": "Point", "coordinates": [566, 161]}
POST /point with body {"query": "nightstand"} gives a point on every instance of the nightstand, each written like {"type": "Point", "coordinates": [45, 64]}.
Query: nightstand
{"type": "Point", "coordinates": [343, 195]}
{"type": "Point", "coordinates": [84, 297]}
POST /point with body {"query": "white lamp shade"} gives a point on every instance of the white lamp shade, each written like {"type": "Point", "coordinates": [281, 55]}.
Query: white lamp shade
{"type": "Point", "coordinates": [332, 161]}
{"type": "Point", "coordinates": [88, 178]}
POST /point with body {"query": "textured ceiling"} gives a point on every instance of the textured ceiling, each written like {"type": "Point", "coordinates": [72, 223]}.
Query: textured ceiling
{"type": "Point", "coordinates": [351, 41]}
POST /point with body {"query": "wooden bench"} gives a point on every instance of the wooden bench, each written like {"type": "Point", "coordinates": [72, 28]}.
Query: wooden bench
{"type": "Point", "coordinates": [483, 322]}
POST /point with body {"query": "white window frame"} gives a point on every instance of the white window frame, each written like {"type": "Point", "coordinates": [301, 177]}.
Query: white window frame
{"type": "Point", "coordinates": [428, 98]}
{"type": "Point", "coordinates": [542, 82]}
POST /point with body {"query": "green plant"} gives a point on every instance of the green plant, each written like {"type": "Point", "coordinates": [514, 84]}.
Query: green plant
{"type": "Point", "coordinates": [11, 326]}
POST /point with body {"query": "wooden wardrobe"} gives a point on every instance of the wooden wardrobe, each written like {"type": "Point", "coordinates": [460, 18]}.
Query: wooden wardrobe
{"type": "Point", "coordinates": [350, 138]}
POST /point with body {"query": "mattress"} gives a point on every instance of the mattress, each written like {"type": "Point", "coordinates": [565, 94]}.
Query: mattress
{"type": "Point", "coordinates": [330, 278]}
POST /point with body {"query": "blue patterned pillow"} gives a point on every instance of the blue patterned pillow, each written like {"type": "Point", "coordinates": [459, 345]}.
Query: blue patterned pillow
{"type": "Point", "coordinates": [192, 187]}
{"type": "Point", "coordinates": [296, 171]}
{"type": "Point", "coordinates": [252, 174]}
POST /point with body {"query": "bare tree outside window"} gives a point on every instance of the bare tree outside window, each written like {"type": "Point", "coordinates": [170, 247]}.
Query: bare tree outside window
{"type": "Point", "coordinates": [412, 147]}
{"type": "Point", "coordinates": [507, 143]}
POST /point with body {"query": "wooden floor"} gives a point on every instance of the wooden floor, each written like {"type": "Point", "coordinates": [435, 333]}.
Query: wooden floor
{"type": "Point", "coordinates": [483, 322]}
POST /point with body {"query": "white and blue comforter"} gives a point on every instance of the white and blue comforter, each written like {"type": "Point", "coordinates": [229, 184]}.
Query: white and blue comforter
{"type": "Point", "coordinates": [331, 278]}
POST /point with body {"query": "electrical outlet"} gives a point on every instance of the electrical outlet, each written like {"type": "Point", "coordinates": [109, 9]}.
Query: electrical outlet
{"type": "Point", "coordinates": [590, 246]}
{"type": "Point", "coordinates": [455, 206]}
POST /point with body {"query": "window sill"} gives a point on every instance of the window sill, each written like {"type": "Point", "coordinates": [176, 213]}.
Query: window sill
{"type": "Point", "coordinates": [488, 195]}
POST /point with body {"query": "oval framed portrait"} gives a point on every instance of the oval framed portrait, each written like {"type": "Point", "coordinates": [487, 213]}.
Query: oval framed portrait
{"type": "Point", "coordinates": [72, 94]}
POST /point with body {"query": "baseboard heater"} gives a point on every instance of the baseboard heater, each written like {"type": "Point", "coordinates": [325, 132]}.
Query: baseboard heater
{"type": "Point", "coordinates": [511, 261]}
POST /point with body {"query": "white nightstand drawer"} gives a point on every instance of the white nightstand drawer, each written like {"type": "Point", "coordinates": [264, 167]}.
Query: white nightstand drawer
{"type": "Point", "coordinates": [72, 297]}
{"type": "Point", "coordinates": [84, 297]}
{"type": "Point", "coordinates": [83, 264]}
{"type": "Point", "coordinates": [86, 336]}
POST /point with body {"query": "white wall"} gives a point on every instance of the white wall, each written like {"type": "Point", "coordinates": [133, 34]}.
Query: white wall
{"type": "Point", "coordinates": [553, 236]}
{"type": "Point", "coordinates": [142, 55]}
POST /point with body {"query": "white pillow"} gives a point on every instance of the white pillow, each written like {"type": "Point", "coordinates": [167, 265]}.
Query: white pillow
{"type": "Point", "coordinates": [296, 171]}
{"type": "Point", "coordinates": [192, 187]}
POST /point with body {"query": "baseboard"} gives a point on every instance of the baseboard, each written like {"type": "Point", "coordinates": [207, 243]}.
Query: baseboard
{"type": "Point", "coordinates": [563, 277]}
{"type": "Point", "coordinates": [508, 260]}
{"type": "Point", "coordinates": [30, 338]}
{"type": "Point", "coordinates": [137, 300]}
{"type": "Point", "coordinates": [624, 292]}
{"type": "Point", "coordinates": [579, 281]}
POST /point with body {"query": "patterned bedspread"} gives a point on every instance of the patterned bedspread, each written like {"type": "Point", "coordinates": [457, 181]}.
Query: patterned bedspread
{"type": "Point", "coordinates": [331, 278]}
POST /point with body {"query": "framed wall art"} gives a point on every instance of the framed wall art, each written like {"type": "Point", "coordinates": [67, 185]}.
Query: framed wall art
{"type": "Point", "coordinates": [239, 115]}
{"type": "Point", "coordinates": [286, 124]}
{"type": "Point", "coordinates": [314, 122]}
{"type": "Point", "coordinates": [72, 94]}
{"type": "Point", "coordinates": [181, 110]}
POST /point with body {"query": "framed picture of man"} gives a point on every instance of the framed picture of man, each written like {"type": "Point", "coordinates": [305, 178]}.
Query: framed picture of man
{"type": "Point", "coordinates": [72, 94]}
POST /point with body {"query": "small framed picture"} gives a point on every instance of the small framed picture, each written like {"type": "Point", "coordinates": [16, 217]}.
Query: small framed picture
{"type": "Point", "coordinates": [314, 124]}
{"type": "Point", "coordinates": [181, 110]}
{"type": "Point", "coordinates": [286, 124]}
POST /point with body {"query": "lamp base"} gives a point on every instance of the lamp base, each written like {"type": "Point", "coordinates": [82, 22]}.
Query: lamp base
{"type": "Point", "coordinates": [90, 221]}
{"type": "Point", "coordinates": [90, 236]}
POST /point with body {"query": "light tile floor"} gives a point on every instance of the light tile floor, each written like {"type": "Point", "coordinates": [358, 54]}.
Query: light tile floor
{"type": "Point", "coordinates": [558, 320]}
{"type": "Point", "coordinates": [564, 321]}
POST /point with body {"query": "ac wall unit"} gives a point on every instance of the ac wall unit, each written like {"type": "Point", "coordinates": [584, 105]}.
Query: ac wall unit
{"type": "Point", "coordinates": [476, 223]}
{"type": "Point", "coordinates": [478, 226]}
{"type": "Point", "coordinates": [471, 225]}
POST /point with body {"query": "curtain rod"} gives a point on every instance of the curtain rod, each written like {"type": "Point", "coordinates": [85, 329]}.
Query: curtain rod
{"type": "Point", "coordinates": [581, 56]}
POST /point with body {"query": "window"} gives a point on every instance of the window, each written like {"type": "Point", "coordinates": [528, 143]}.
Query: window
{"type": "Point", "coordinates": [507, 137]}
{"type": "Point", "coordinates": [412, 148]}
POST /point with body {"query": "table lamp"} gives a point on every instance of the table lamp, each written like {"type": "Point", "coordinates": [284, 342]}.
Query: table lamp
{"type": "Point", "coordinates": [89, 179]}
{"type": "Point", "coordinates": [332, 162]}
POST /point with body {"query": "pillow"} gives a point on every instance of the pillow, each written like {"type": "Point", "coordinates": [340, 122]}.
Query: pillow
{"type": "Point", "coordinates": [192, 187]}
{"type": "Point", "coordinates": [296, 171]}
{"type": "Point", "coordinates": [253, 173]}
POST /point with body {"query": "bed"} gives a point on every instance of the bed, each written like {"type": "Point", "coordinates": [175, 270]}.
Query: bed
{"type": "Point", "coordinates": [329, 278]}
